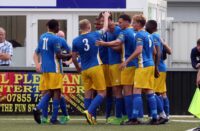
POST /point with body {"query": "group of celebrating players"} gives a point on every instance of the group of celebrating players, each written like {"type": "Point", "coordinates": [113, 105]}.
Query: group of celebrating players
{"type": "Point", "coordinates": [119, 61]}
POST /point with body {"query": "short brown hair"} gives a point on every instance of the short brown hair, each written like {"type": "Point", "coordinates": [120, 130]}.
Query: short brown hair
{"type": "Point", "coordinates": [83, 24]}
{"type": "Point", "coordinates": [140, 19]}
{"type": "Point", "coordinates": [125, 17]}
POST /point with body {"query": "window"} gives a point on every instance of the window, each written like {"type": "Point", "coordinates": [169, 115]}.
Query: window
{"type": "Point", "coordinates": [15, 27]}
{"type": "Point", "coordinates": [42, 28]}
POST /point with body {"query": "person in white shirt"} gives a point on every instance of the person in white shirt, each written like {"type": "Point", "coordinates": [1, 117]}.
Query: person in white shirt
{"type": "Point", "coordinates": [6, 49]}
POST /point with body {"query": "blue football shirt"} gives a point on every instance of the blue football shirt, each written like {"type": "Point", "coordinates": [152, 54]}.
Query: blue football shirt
{"type": "Point", "coordinates": [157, 42]}
{"type": "Point", "coordinates": [145, 59]}
{"type": "Point", "coordinates": [88, 51]}
{"type": "Point", "coordinates": [127, 36]}
{"type": "Point", "coordinates": [49, 45]}
{"type": "Point", "coordinates": [104, 51]}
{"type": "Point", "coordinates": [114, 56]}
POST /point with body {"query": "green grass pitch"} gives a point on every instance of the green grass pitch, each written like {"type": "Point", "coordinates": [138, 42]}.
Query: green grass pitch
{"type": "Point", "coordinates": [78, 123]}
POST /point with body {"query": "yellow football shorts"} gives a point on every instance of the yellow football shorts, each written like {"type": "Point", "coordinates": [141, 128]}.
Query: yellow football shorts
{"type": "Point", "coordinates": [50, 81]}
{"type": "Point", "coordinates": [127, 76]}
{"type": "Point", "coordinates": [144, 78]}
{"type": "Point", "coordinates": [115, 75]}
{"type": "Point", "coordinates": [106, 74]}
{"type": "Point", "coordinates": [160, 83]}
{"type": "Point", "coordinates": [93, 78]}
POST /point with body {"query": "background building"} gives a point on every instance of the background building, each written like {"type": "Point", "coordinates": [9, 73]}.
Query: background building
{"type": "Point", "coordinates": [183, 30]}
{"type": "Point", "coordinates": [25, 20]}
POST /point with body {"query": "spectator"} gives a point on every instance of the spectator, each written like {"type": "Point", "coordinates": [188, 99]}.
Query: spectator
{"type": "Point", "coordinates": [195, 56]}
{"type": "Point", "coordinates": [195, 60]}
{"type": "Point", "coordinates": [6, 49]}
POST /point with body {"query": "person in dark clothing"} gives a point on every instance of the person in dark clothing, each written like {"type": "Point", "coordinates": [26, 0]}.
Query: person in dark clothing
{"type": "Point", "coordinates": [195, 56]}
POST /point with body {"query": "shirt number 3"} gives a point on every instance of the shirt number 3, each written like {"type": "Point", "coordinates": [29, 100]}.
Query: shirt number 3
{"type": "Point", "coordinates": [87, 46]}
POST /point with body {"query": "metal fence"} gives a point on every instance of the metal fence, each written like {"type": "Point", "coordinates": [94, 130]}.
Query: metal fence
{"type": "Point", "coordinates": [181, 87]}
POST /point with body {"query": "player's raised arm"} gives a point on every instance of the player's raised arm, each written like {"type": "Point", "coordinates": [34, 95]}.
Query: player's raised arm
{"type": "Point", "coordinates": [124, 22]}
{"type": "Point", "coordinates": [105, 23]}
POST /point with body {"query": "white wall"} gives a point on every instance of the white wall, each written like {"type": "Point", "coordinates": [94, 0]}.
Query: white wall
{"type": "Point", "coordinates": [184, 11]}
{"type": "Point", "coordinates": [19, 57]}
{"type": "Point", "coordinates": [184, 31]}
{"type": "Point", "coordinates": [183, 38]}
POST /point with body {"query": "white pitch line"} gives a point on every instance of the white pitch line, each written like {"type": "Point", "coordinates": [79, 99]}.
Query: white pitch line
{"type": "Point", "coordinates": [29, 119]}
{"type": "Point", "coordinates": [190, 129]}
{"type": "Point", "coordinates": [181, 116]}
{"type": "Point", "coordinates": [187, 121]}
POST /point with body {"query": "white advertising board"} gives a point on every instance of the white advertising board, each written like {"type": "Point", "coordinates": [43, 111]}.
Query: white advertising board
{"type": "Point", "coordinates": [24, 3]}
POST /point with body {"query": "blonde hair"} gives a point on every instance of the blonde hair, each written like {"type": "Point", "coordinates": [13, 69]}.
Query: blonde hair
{"type": "Point", "coordinates": [140, 19]}
{"type": "Point", "coordinates": [84, 24]}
